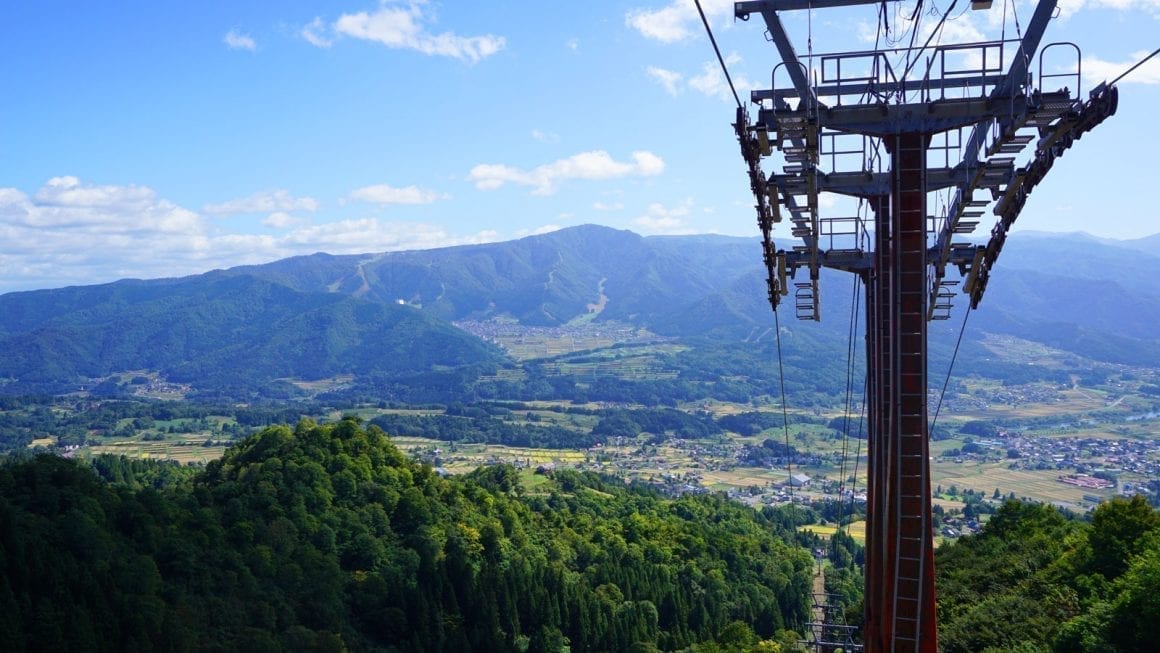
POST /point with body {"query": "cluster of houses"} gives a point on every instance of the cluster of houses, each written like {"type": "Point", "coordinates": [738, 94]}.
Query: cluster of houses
{"type": "Point", "coordinates": [1015, 395]}
{"type": "Point", "coordinates": [1071, 454]}
{"type": "Point", "coordinates": [498, 331]}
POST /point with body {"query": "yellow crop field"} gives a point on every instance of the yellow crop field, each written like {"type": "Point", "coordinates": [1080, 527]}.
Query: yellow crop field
{"type": "Point", "coordinates": [856, 530]}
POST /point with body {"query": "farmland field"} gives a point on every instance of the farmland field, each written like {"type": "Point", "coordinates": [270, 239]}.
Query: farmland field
{"type": "Point", "coordinates": [190, 449]}
{"type": "Point", "coordinates": [856, 530]}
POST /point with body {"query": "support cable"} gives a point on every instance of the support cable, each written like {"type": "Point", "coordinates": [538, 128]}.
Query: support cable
{"type": "Point", "coordinates": [872, 86]}
{"type": "Point", "coordinates": [853, 331]}
{"type": "Point", "coordinates": [784, 410]}
{"type": "Point", "coordinates": [916, 21]}
{"type": "Point", "coordinates": [858, 449]}
{"type": "Point", "coordinates": [950, 367]}
{"type": "Point", "coordinates": [1138, 64]}
{"type": "Point", "coordinates": [1022, 53]}
{"type": "Point", "coordinates": [810, 44]}
{"type": "Point", "coordinates": [937, 31]}
{"type": "Point", "coordinates": [1003, 24]}
{"type": "Point", "coordinates": [720, 59]}
{"type": "Point", "coordinates": [884, 21]}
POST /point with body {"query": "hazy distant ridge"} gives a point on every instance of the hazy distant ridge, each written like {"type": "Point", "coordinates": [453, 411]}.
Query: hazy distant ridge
{"type": "Point", "coordinates": [389, 314]}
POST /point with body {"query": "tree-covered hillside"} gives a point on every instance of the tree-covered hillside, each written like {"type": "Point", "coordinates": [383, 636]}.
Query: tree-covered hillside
{"type": "Point", "coordinates": [1034, 580]}
{"type": "Point", "coordinates": [222, 332]}
{"type": "Point", "coordinates": [243, 333]}
{"type": "Point", "coordinates": [542, 280]}
{"type": "Point", "coordinates": [327, 538]}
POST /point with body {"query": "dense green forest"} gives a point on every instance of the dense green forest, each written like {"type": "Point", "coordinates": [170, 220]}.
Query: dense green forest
{"type": "Point", "coordinates": [1035, 580]}
{"type": "Point", "coordinates": [325, 537]}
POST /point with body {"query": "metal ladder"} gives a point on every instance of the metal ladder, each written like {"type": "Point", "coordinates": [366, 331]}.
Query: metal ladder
{"type": "Point", "coordinates": [909, 451]}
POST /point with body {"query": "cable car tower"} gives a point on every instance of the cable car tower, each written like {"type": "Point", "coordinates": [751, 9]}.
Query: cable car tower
{"type": "Point", "coordinates": [892, 128]}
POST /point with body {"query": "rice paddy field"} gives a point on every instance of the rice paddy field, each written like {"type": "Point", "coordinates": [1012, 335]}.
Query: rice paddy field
{"type": "Point", "coordinates": [1039, 485]}
{"type": "Point", "coordinates": [192, 449]}
{"type": "Point", "coordinates": [856, 530]}
{"type": "Point", "coordinates": [1039, 410]}
{"type": "Point", "coordinates": [582, 335]}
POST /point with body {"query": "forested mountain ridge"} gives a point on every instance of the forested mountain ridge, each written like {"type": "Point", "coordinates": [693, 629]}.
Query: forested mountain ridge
{"type": "Point", "coordinates": [328, 538]}
{"type": "Point", "coordinates": [384, 319]}
{"type": "Point", "coordinates": [545, 280]}
{"type": "Point", "coordinates": [219, 330]}
{"type": "Point", "coordinates": [1034, 580]}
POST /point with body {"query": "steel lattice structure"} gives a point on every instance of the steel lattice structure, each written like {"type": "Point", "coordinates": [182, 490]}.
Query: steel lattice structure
{"type": "Point", "coordinates": [935, 125]}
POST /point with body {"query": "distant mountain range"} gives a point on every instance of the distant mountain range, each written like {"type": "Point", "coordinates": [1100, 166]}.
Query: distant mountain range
{"type": "Point", "coordinates": [545, 280]}
{"type": "Point", "coordinates": [389, 315]}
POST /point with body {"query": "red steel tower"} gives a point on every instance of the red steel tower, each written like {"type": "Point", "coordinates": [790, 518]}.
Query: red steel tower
{"type": "Point", "coordinates": [890, 128]}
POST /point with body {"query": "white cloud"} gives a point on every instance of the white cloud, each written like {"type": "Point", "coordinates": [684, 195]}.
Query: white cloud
{"type": "Point", "coordinates": [660, 219]}
{"type": "Point", "coordinates": [315, 33]}
{"type": "Point", "coordinates": [386, 194]}
{"type": "Point", "coordinates": [402, 26]}
{"type": "Point", "coordinates": [669, 79]}
{"type": "Point", "coordinates": [68, 192]}
{"type": "Point", "coordinates": [712, 81]}
{"type": "Point", "coordinates": [282, 220]}
{"type": "Point", "coordinates": [545, 137]}
{"type": "Point", "coordinates": [677, 21]}
{"type": "Point", "coordinates": [364, 235]}
{"type": "Point", "coordinates": [264, 202]}
{"type": "Point", "coordinates": [1068, 8]}
{"type": "Point", "coordinates": [614, 206]}
{"type": "Point", "coordinates": [1097, 70]}
{"type": "Point", "coordinates": [69, 232]}
{"type": "Point", "coordinates": [239, 41]}
{"type": "Point", "coordinates": [573, 45]}
{"type": "Point", "coordinates": [979, 26]}
{"type": "Point", "coordinates": [538, 231]}
{"type": "Point", "coordinates": [593, 165]}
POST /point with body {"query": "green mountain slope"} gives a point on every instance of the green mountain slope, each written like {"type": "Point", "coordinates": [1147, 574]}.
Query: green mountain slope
{"type": "Point", "coordinates": [1033, 580]}
{"type": "Point", "coordinates": [544, 280]}
{"type": "Point", "coordinates": [386, 315]}
{"type": "Point", "coordinates": [327, 538]}
{"type": "Point", "coordinates": [234, 329]}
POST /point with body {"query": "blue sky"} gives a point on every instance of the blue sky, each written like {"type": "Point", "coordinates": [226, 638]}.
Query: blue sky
{"type": "Point", "coordinates": [147, 139]}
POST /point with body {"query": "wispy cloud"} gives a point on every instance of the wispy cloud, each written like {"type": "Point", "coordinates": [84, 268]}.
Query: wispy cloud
{"type": "Point", "coordinates": [315, 33]}
{"type": "Point", "coordinates": [1068, 8]}
{"type": "Point", "coordinates": [712, 81]}
{"type": "Point", "coordinates": [669, 79]}
{"type": "Point", "coordinates": [387, 194]}
{"type": "Point", "coordinates": [263, 202]}
{"type": "Point", "coordinates": [402, 26]}
{"type": "Point", "coordinates": [239, 41]}
{"type": "Point", "coordinates": [660, 219]}
{"type": "Point", "coordinates": [282, 220]}
{"type": "Point", "coordinates": [676, 21]}
{"type": "Point", "coordinates": [1097, 70]}
{"type": "Point", "coordinates": [544, 179]}
{"type": "Point", "coordinates": [538, 231]}
{"type": "Point", "coordinates": [545, 137]}
{"type": "Point", "coordinates": [363, 235]}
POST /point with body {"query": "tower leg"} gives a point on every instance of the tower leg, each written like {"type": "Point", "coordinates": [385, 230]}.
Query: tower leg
{"type": "Point", "coordinates": [899, 595]}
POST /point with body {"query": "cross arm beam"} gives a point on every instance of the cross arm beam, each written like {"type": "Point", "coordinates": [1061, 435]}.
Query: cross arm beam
{"type": "Point", "coordinates": [1022, 59]}
{"type": "Point", "coordinates": [797, 72]}
{"type": "Point", "coordinates": [743, 9]}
